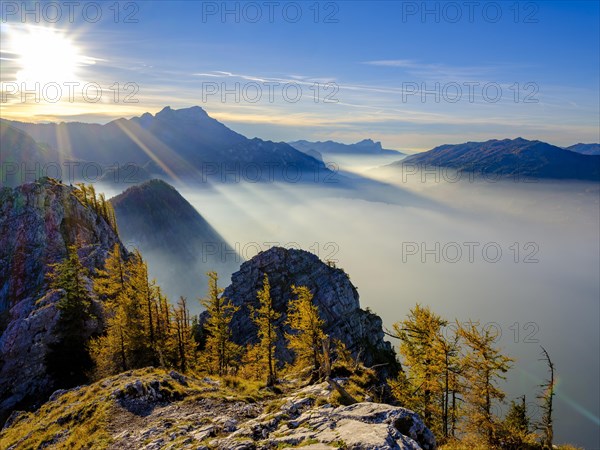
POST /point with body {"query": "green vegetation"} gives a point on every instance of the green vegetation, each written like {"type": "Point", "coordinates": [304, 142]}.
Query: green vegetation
{"type": "Point", "coordinates": [68, 358]}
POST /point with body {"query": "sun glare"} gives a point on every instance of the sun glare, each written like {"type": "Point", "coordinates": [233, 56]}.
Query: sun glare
{"type": "Point", "coordinates": [45, 55]}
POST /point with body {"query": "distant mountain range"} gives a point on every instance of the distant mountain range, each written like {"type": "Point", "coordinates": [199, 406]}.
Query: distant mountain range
{"type": "Point", "coordinates": [16, 149]}
{"type": "Point", "coordinates": [188, 145]}
{"type": "Point", "coordinates": [585, 149]}
{"type": "Point", "coordinates": [364, 147]}
{"type": "Point", "coordinates": [178, 243]}
{"type": "Point", "coordinates": [509, 158]}
{"type": "Point", "coordinates": [185, 143]}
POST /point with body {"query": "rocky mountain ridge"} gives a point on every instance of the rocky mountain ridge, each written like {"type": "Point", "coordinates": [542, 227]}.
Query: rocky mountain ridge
{"type": "Point", "coordinates": [185, 143]}
{"type": "Point", "coordinates": [364, 147]}
{"type": "Point", "coordinates": [334, 295]}
{"type": "Point", "coordinates": [509, 158]}
{"type": "Point", "coordinates": [39, 220]}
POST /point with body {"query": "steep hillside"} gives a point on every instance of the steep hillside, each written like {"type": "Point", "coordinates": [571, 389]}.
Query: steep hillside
{"type": "Point", "coordinates": [22, 158]}
{"type": "Point", "coordinates": [178, 243]}
{"type": "Point", "coordinates": [510, 158]}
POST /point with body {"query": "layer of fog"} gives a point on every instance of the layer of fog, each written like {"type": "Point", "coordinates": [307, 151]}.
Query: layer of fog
{"type": "Point", "coordinates": [553, 302]}
{"type": "Point", "coordinates": [387, 232]}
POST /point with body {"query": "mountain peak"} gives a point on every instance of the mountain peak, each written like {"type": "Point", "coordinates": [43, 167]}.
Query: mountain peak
{"type": "Point", "coordinates": [191, 113]}
{"type": "Point", "coordinates": [158, 220]}
{"type": "Point", "coordinates": [367, 141]}
{"type": "Point", "coordinates": [375, 145]}
{"type": "Point", "coordinates": [366, 146]}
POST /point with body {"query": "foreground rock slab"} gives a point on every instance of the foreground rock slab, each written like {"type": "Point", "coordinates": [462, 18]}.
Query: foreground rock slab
{"type": "Point", "coordinates": [154, 409]}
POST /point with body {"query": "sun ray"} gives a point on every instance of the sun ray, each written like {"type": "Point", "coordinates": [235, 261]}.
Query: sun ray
{"type": "Point", "coordinates": [148, 152]}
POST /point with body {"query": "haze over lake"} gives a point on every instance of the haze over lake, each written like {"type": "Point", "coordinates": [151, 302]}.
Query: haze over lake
{"type": "Point", "coordinates": [543, 291]}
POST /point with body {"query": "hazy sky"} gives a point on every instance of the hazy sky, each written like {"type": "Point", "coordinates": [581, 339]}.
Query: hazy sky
{"type": "Point", "coordinates": [372, 62]}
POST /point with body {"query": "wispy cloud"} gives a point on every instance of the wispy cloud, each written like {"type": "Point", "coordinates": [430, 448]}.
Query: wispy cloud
{"type": "Point", "coordinates": [437, 70]}
{"type": "Point", "coordinates": [298, 79]}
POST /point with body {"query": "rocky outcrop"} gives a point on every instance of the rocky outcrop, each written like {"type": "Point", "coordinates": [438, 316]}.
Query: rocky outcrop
{"type": "Point", "coordinates": [334, 294]}
{"type": "Point", "coordinates": [361, 426]}
{"type": "Point", "coordinates": [151, 409]}
{"type": "Point", "coordinates": [37, 223]}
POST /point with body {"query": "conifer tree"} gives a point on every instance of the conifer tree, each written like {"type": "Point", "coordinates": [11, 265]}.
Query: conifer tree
{"type": "Point", "coordinates": [141, 327]}
{"type": "Point", "coordinates": [517, 418]}
{"type": "Point", "coordinates": [265, 317]}
{"type": "Point", "coordinates": [306, 338]}
{"type": "Point", "coordinates": [164, 331]}
{"type": "Point", "coordinates": [103, 206]}
{"type": "Point", "coordinates": [87, 196]}
{"type": "Point", "coordinates": [137, 302]}
{"type": "Point", "coordinates": [483, 367]}
{"type": "Point", "coordinates": [92, 197]}
{"type": "Point", "coordinates": [110, 281]}
{"type": "Point", "coordinates": [82, 193]}
{"type": "Point", "coordinates": [447, 352]}
{"type": "Point", "coordinates": [220, 350]}
{"type": "Point", "coordinates": [426, 355]}
{"type": "Point", "coordinates": [110, 352]}
{"type": "Point", "coordinates": [68, 359]}
{"type": "Point", "coordinates": [515, 433]}
{"type": "Point", "coordinates": [546, 425]}
{"type": "Point", "coordinates": [71, 276]}
{"type": "Point", "coordinates": [252, 364]}
{"type": "Point", "coordinates": [183, 333]}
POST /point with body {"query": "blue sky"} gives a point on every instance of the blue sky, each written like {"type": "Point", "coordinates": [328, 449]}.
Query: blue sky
{"type": "Point", "coordinates": [369, 60]}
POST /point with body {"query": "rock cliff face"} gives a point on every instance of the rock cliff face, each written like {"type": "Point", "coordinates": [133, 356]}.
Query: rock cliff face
{"type": "Point", "coordinates": [37, 223]}
{"type": "Point", "coordinates": [334, 294]}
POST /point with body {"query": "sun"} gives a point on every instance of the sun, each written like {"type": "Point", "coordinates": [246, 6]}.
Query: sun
{"type": "Point", "coordinates": [45, 55]}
